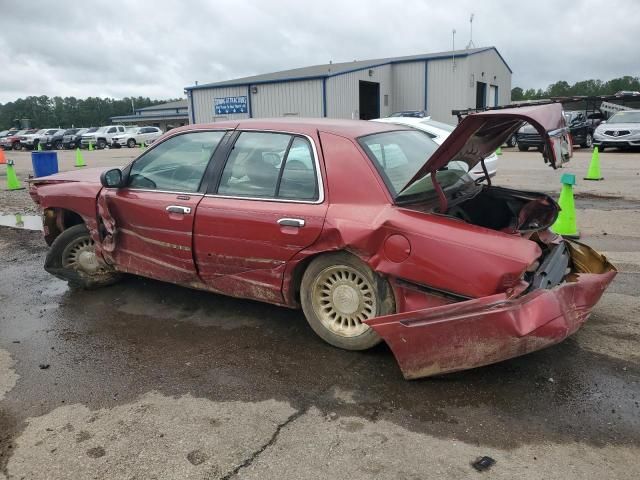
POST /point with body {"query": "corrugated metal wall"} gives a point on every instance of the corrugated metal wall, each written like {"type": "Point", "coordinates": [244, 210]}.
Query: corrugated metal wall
{"type": "Point", "coordinates": [495, 73]}
{"type": "Point", "coordinates": [447, 88]}
{"type": "Point", "coordinates": [343, 95]}
{"type": "Point", "coordinates": [408, 86]}
{"type": "Point", "coordinates": [203, 103]}
{"type": "Point", "coordinates": [303, 98]}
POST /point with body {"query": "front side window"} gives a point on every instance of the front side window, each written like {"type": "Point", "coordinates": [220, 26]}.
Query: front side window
{"type": "Point", "coordinates": [270, 165]}
{"type": "Point", "coordinates": [177, 164]}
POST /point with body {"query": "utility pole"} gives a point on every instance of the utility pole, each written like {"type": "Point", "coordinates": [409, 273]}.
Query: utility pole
{"type": "Point", "coordinates": [453, 49]}
{"type": "Point", "coordinates": [133, 108]}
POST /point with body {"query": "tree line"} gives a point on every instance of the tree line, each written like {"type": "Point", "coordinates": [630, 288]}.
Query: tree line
{"type": "Point", "coordinates": [46, 112]}
{"type": "Point", "coordinates": [585, 87]}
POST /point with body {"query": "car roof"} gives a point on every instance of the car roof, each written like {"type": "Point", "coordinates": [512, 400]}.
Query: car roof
{"type": "Point", "coordinates": [303, 126]}
{"type": "Point", "coordinates": [419, 123]}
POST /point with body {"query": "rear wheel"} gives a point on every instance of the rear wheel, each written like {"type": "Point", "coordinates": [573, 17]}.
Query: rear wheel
{"type": "Point", "coordinates": [58, 145]}
{"type": "Point", "coordinates": [513, 140]}
{"type": "Point", "coordinates": [523, 148]}
{"type": "Point", "coordinates": [72, 258]}
{"type": "Point", "coordinates": [16, 146]}
{"type": "Point", "coordinates": [338, 293]}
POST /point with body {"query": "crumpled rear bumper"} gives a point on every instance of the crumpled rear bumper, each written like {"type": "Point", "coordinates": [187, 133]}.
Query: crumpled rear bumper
{"type": "Point", "coordinates": [487, 330]}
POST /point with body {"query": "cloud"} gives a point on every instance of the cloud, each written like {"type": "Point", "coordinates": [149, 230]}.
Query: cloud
{"type": "Point", "coordinates": [156, 48]}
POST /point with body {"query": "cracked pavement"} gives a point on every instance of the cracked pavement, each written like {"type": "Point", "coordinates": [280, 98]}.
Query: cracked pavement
{"type": "Point", "coordinates": [148, 380]}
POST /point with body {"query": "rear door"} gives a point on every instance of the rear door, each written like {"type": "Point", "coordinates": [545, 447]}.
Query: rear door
{"type": "Point", "coordinates": [154, 213]}
{"type": "Point", "coordinates": [268, 204]}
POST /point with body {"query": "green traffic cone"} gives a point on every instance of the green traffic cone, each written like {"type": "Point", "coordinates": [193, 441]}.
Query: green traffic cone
{"type": "Point", "coordinates": [19, 220]}
{"type": "Point", "coordinates": [39, 147]}
{"type": "Point", "coordinates": [12, 180]}
{"type": "Point", "coordinates": [565, 224]}
{"type": "Point", "coordinates": [594, 166]}
{"type": "Point", "coordinates": [499, 151]}
{"type": "Point", "coordinates": [91, 146]}
{"type": "Point", "coordinates": [79, 159]}
{"type": "Point", "coordinates": [141, 144]}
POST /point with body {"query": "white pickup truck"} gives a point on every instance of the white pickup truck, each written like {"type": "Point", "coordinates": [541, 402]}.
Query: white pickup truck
{"type": "Point", "coordinates": [102, 136]}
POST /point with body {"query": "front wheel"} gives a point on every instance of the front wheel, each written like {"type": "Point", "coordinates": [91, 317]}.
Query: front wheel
{"type": "Point", "coordinates": [588, 141]}
{"type": "Point", "coordinates": [513, 140]}
{"type": "Point", "coordinates": [101, 144]}
{"type": "Point", "coordinates": [338, 293]}
{"type": "Point", "coordinates": [131, 143]}
{"type": "Point", "coordinates": [72, 258]}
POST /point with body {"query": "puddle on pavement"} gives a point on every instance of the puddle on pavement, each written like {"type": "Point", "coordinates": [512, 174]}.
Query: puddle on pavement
{"type": "Point", "coordinates": [28, 222]}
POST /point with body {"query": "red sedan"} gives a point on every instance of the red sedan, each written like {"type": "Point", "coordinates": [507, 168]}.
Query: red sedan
{"type": "Point", "coordinates": [372, 229]}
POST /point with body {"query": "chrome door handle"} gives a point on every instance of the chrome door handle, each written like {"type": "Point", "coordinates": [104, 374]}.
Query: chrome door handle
{"type": "Point", "coordinates": [291, 222]}
{"type": "Point", "coordinates": [178, 209]}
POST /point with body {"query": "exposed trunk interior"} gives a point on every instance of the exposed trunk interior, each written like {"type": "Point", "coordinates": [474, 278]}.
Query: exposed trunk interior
{"type": "Point", "coordinates": [507, 210]}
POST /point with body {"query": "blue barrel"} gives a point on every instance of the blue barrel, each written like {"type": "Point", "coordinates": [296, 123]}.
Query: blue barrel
{"type": "Point", "coordinates": [44, 163]}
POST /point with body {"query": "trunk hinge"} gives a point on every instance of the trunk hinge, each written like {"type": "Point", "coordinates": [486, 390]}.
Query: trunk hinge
{"type": "Point", "coordinates": [486, 172]}
{"type": "Point", "coordinates": [441, 196]}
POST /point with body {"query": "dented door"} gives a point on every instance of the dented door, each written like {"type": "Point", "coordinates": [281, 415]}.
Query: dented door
{"type": "Point", "coordinates": [269, 204]}
{"type": "Point", "coordinates": [150, 222]}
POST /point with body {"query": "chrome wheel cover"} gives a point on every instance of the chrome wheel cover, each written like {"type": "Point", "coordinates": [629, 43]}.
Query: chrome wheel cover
{"type": "Point", "coordinates": [80, 255]}
{"type": "Point", "coordinates": [342, 299]}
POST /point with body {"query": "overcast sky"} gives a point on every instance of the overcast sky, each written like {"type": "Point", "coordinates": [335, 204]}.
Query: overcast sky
{"type": "Point", "coordinates": [156, 47]}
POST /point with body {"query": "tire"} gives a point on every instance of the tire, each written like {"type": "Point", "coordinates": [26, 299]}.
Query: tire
{"type": "Point", "coordinates": [512, 142]}
{"type": "Point", "coordinates": [101, 143]}
{"type": "Point", "coordinates": [523, 148]}
{"type": "Point", "coordinates": [16, 146]}
{"type": "Point", "coordinates": [131, 143]}
{"type": "Point", "coordinates": [363, 294]}
{"type": "Point", "coordinates": [57, 145]}
{"type": "Point", "coordinates": [68, 261]}
{"type": "Point", "coordinates": [588, 141]}
{"type": "Point", "coordinates": [600, 148]}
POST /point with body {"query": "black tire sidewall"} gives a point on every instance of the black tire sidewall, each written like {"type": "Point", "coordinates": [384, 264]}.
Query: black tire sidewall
{"type": "Point", "coordinates": [385, 300]}
{"type": "Point", "coordinates": [53, 261]}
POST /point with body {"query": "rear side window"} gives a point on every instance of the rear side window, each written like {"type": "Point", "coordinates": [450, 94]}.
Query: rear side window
{"type": "Point", "coordinates": [177, 164]}
{"type": "Point", "coordinates": [270, 165]}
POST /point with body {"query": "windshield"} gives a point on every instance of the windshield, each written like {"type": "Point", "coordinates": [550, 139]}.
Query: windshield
{"type": "Point", "coordinates": [625, 117]}
{"type": "Point", "coordinates": [92, 130]}
{"type": "Point", "coordinates": [398, 155]}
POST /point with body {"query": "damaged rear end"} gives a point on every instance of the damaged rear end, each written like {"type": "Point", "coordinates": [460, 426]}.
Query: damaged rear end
{"type": "Point", "coordinates": [529, 289]}
{"type": "Point", "coordinates": [555, 302]}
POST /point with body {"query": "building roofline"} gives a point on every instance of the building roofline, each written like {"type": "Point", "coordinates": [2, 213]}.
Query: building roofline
{"type": "Point", "coordinates": [151, 117]}
{"type": "Point", "coordinates": [391, 61]}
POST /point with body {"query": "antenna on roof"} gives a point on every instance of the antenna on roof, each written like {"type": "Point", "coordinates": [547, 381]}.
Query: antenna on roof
{"type": "Point", "coordinates": [470, 44]}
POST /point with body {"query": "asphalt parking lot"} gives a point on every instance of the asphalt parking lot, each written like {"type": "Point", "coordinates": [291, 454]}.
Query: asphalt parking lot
{"type": "Point", "coordinates": [148, 380]}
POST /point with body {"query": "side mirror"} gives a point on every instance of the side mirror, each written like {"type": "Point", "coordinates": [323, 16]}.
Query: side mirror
{"type": "Point", "coordinates": [112, 178]}
{"type": "Point", "coordinates": [603, 121]}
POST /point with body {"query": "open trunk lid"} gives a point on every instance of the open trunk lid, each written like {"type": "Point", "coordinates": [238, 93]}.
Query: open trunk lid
{"type": "Point", "coordinates": [480, 134]}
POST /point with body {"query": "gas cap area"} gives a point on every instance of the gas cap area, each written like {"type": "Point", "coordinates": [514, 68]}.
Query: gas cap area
{"type": "Point", "coordinates": [397, 248]}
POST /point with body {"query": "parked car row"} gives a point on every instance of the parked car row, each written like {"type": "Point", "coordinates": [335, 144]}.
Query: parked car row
{"type": "Point", "coordinates": [59, 138]}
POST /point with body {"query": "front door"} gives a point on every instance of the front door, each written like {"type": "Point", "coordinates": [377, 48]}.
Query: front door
{"type": "Point", "coordinates": [369, 100]}
{"type": "Point", "coordinates": [268, 206]}
{"type": "Point", "coordinates": [154, 213]}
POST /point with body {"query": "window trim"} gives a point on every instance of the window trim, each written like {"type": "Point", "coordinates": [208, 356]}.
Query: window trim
{"type": "Point", "coordinates": [318, 172]}
{"type": "Point", "coordinates": [201, 187]}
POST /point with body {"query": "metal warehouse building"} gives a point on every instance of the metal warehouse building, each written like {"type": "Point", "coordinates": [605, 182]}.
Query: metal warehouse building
{"type": "Point", "coordinates": [437, 83]}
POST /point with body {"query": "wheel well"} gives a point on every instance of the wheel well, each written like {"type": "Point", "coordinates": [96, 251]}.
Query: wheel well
{"type": "Point", "coordinates": [301, 267]}
{"type": "Point", "coordinates": [57, 220]}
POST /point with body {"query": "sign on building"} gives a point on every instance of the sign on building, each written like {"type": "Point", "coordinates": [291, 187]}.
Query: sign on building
{"type": "Point", "coordinates": [228, 105]}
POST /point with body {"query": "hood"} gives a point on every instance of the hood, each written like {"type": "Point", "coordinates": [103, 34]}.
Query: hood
{"type": "Point", "coordinates": [91, 175]}
{"type": "Point", "coordinates": [480, 134]}
{"type": "Point", "coordinates": [619, 126]}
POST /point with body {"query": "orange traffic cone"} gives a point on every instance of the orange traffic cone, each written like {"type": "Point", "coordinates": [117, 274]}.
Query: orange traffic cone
{"type": "Point", "coordinates": [3, 159]}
